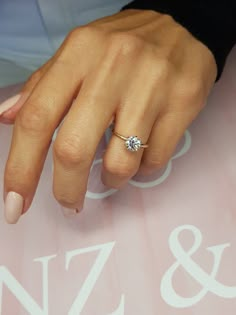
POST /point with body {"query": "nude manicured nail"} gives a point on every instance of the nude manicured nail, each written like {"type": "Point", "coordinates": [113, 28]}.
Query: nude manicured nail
{"type": "Point", "coordinates": [13, 207]}
{"type": "Point", "coordinates": [68, 212]}
{"type": "Point", "coordinates": [9, 103]}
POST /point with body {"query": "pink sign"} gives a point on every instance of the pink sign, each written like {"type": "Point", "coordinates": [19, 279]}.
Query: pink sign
{"type": "Point", "coordinates": [163, 245]}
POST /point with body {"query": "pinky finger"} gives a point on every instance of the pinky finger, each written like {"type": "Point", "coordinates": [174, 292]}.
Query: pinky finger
{"type": "Point", "coordinates": [166, 134]}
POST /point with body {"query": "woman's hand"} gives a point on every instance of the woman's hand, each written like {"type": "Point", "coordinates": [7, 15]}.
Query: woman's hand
{"type": "Point", "coordinates": [140, 67]}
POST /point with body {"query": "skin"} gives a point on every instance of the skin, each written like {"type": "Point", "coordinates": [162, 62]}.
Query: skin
{"type": "Point", "coordinates": [140, 68]}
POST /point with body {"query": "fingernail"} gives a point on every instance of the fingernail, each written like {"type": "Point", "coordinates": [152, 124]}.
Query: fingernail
{"type": "Point", "coordinates": [9, 103]}
{"type": "Point", "coordinates": [68, 212]}
{"type": "Point", "coordinates": [13, 207]}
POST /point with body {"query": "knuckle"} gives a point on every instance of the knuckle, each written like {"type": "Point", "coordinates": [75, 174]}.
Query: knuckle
{"type": "Point", "coordinates": [33, 118]}
{"type": "Point", "coordinates": [168, 18]}
{"type": "Point", "coordinates": [118, 169]}
{"type": "Point", "coordinates": [65, 199]}
{"type": "Point", "coordinates": [154, 162]}
{"type": "Point", "coordinates": [125, 44]}
{"type": "Point", "coordinates": [191, 93]}
{"type": "Point", "coordinates": [70, 153]}
{"type": "Point", "coordinates": [79, 41]}
{"type": "Point", "coordinates": [75, 34]}
{"type": "Point", "coordinates": [81, 35]}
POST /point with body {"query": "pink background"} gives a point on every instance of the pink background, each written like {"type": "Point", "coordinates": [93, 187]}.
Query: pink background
{"type": "Point", "coordinates": [196, 189]}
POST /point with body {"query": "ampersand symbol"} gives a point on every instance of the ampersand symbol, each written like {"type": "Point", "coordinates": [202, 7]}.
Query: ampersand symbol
{"type": "Point", "coordinates": [207, 281]}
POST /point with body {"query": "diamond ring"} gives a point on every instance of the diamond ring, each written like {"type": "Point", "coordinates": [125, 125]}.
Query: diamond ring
{"type": "Point", "coordinates": [132, 143]}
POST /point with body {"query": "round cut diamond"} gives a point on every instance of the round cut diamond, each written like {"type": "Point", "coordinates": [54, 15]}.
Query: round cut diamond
{"type": "Point", "coordinates": [133, 143]}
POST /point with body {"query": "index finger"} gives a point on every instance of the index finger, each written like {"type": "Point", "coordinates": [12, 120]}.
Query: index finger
{"type": "Point", "coordinates": [32, 134]}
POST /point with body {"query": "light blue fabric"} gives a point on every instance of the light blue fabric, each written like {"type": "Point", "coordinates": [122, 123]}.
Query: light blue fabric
{"type": "Point", "coordinates": [32, 30]}
{"type": "Point", "coordinates": [23, 37]}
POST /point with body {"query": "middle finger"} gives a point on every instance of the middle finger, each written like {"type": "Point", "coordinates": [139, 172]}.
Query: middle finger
{"type": "Point", "coordinates": [81, 132]}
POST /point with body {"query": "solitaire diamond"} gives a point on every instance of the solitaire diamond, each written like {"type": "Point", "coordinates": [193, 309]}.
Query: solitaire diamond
{"type": "Point", "coordinates": [133, 143]}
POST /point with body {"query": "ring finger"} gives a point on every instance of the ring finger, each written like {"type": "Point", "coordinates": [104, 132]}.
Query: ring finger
{"type": "Point", "coordinates": [135, 117]}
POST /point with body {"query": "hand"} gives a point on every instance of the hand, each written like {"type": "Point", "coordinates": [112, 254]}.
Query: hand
{"type": "Point", "coordinates": [140, 67]}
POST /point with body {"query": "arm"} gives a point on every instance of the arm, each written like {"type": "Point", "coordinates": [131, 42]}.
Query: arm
{"type": "Point", "coordinates": [211, 22]}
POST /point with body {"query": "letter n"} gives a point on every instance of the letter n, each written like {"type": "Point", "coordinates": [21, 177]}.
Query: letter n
{"type": "Point", "coordinates": [7, 279]}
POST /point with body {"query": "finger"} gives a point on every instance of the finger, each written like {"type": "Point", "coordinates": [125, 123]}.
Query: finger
{"type": "Point", "coordinates": [10, 107]}
{"type": "Point", "coordinates": [166, 134]}
{"type": "Point", "coordinates": [135, 117]}
{"type": "Point", "coordinates": [33, 130]}
{"type": "Point", "coordinates": [75, 146]}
